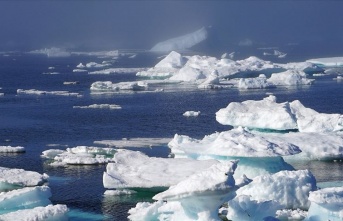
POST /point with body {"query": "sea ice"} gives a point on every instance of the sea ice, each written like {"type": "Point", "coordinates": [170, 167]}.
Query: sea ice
{"type": "Point", "coordinates": [15, 178]}
{"type": "Point", "coordinates": [197, 197]}
{"type": "Point", "coordinates": [97, 65]}
{"type": "Point", "coordinates": [133, 169]}
{"type": "Point", "coordinates": [48, 213]}
{"type": "Point", "coordinates": [135, 142]}
{"type": "Point", "coordinates": [118, 70]}
{"type": "Point", "coordinates": [182, 42]}
{"type": "Point", "coordinates": [327, 62]}
{"type": "Point", "coordinates": [100, 106]}
{"type": "Point", "coordinates": [191, 113]}
{"type": "Point", "coordinates": [109, 86]}
{"type": "Point", "coordinates": [80, 70]}
{"type": "Point", "coordinates": [25, 198]}
{"type": "Point", "coordinates": [119, 192]}
{"type": "Point", "coordinates": [326, 204]}
{"type": "Point", "coordinates": [257, 155]}
{"type": "Point", "coordinates": [290, 78]}
{"type": "Point", "coordinates": [39, 92]}
{"type": "Point", "coordinates": [267, 114]}
{"type": "Point", "coordinates": [10, 149]}
{"type": "Point", "coordinates": [80, 155]}
{"type": "Point", "coordinates": [290, 189]}
{"type": "Point", "coordinates": [252, 83]}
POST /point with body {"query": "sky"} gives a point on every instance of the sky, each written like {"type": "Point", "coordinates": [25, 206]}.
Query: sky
{"type": "Point", "coordinates": [112, 24]}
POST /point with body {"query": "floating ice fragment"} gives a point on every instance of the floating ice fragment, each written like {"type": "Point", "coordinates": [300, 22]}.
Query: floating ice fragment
{"type": "Point", "coordinates": [191, 113]}
{"type": "Point", "coordinates": [99, 106]}
{"type": "Point", "coordinates": [10, 149]}
{"type": "Point", "coordinates": [119, 192]}
{"type": "Point", "coordinates": [14, 178]}
{"type": "Point", "coordinates": [135, 142]}
{"type": "Point", "coordinates": [118, 70]}
{"type": "Point", "coordinates": [327, 62]}
{"type": "Point", "coordinates": [109, 86]}
{"type": "Point", "coordinates": [38, 92]}
{"type": "Point", "coordinates": [133, 169]}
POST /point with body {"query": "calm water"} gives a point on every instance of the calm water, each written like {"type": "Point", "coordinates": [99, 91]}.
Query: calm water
{"type": "Point", "coordinates": [37, 122]}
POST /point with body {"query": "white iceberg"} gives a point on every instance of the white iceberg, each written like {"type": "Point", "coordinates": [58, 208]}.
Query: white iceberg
{"type": "Point", "coordinates": [11, 149]}
{"type": "Point", "coordinates": [257, 155]}
{"type": "Point", "coordinates": [326, 204]}
{"type": "Point", "coordinates": [290, 78]}
{"type": "Point", "coordinates": [290, 189]}
{"type": "Point", "coordinates": [112, 87]}
{"type": "Point", "coordinates": [135, 142]}
{"type": "Point", "coordinates": [191, 113]}
{"type": "Point", "coordinates": [25, 198]}
{"type": "Point", "coordinates": [196, 198]}
{"type": "Point", "coordinates": [100, 106]}
{"type": "Point", "coordinates": [118, 70]}
{"type": "Point", "coordinates": [133, 169]}
{"type": "Point", "coordinates": [80, 155]}
{"type": "Point", "coordinates": [327, 62]}
{"type": "Point", "coordinates": [48, 213]}
{"type": "Point", "coordinates": [267, 114]}
{"type": "Point", "coordinates": [253, 83]}
{"type": "Point", "coordinates": [79, 70]}
{"type": "Point", "coordinates": [97, 65]}
{"type": "Point", "coordinates": [15, 178]}
{"type": "Point", "coordinates": [181, 43]}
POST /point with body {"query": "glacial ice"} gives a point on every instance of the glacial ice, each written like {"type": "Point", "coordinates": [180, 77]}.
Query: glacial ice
{"type": "Point", "coordinates": [326, 204]}
{"type": "Point", "coordinates": [290, 78]}
{"type": "Point", "coordinates": [48, 213]}
{"type": "Point", "coordinates": [267, 114]}
{"type": "Point", "coordinates": [80, 155]}
{"type": "Point", "coordinates": [117, 70]}
{"type": "Point", "coordinates": [39, 92]}
{"type": "Point", "coordinates": [97, 65]}
{"type": "Point", "coordinates": [181, 43]}
{"type": "Point", "coordinates": [134, 142]}
{"type": "Point", "coordinates": [197, 197]}
{"type": "Point", "coordinates": [133, 169]}
{"type": "Point", "coordinates": [15, 178]}
{"type": "Point", "coordinates": [11, 149]}
{"type": "Point", "coordinates": [109, 86]}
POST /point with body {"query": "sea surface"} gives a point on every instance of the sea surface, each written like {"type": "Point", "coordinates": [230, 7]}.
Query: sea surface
{"type": "Point", "coordinates": [41, 122]}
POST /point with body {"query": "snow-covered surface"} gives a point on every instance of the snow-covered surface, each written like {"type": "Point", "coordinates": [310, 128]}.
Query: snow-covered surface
{"type": "Point", "coordinates": [267, 114]}
{"type": "Point", "coordinates": [289, 188]}
{"type": "Point", "coordinates": [289, 78]}
{"type": "Point", "coordinates": [289, 214]}
{"type": "Point", "coordinates": [80, 155]}
{"type": "Point", "coordinates": [109, 86]}
{"type": "Point", "coordinates": [48, 213]}
{"type": "Point", "coordinates": [10, 178]}
{"type": "Point", "coordinates": [135, 142]}
{"type": "Point", "coordinates": [326, 204]}
{"type": "Point", "coordinates": [198, 197]}
{"type": "Point", "coordinates": [327, 62]}
{"type": "Point", "coordinates": [117, 70]}
{"type": "Point", "coordinates": [135, 169]}
{"type": "Point", "coordinates": [191, 113]}
{"type": "Point", "coordinates": [39, 92]}
{"type": "Point", "coordinates": [181, 43]}
{"type": "Point", "coordinates": [100, 106]}
{"type": "Point", "coordinates": [11, 149]}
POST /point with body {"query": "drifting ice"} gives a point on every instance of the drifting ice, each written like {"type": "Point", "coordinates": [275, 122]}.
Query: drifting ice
{"type": "Point", "coordinates": [14, 178]}
{"type": "Point", "coordinates": [10, 149]}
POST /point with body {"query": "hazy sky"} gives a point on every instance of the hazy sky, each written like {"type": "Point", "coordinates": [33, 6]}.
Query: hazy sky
{"type": "Point", "coordinates": [140, 24]}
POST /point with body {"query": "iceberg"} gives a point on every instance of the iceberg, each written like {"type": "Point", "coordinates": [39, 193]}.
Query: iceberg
{"type": "Point", "coordinates": [39, 92]}
{"type": "Point", "coordinates": [256, 154]}
{"type": "Point", "coordinates": [25, 198]}
{"type": "Point", "coordinates": [118, 70]}
{"type": "Point", "coordinates": [290, 78]}
{"type": "Point", "coordinates": [197, 197]}
{"type": "Point", "coordinates": [10, 149]}
{"type": "Point", "coordinates": [16, 178]}
{"type": "Point", "coordinates": [134, 142]}
{"type": "Point", "coordinates": [133, 169]}
{"type": "Point", "coordinates": [181, 43]}
{"type": "Point", "coordinates": [290, 189]}
{"type": "Point", "coordinates": [332, 62]}
{"type": "Point", "coordinates": [112, 87]}
{"type": "Point", "coordinates": [253, 83]}
{"type": "Point", "coordinates": [48, 213]}
{"type": "Point", "coordinates": [96, 65]}
{"type": "Point", "coordinates": [191, 113]}
{"type": "Point", "coordinates": [267, 114]}
{"type": "Point", "coordinates": [326, 204]}
{"type": "Point", "coordinates": [80, 155]}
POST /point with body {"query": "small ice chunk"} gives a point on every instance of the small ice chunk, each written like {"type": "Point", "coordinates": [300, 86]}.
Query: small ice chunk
{"type": "Point", "coordinates": [100, 106]}
{"type": "Point", "coordinates": [119, 192]}
{"type": "Point", "coordinates": [191, 113]}
{"type": "Point", "coordinates": [289, 78]}
{"type": "Point", "coordinates": [20, 177]}
{"type": "Point", "coordinates": [10, 149]}
{"type": "Point", "coordinates": [109, 86]}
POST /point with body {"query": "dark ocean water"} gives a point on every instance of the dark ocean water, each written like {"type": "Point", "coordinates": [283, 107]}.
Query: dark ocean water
{"type": "Point", "coordinates": [37, 122]}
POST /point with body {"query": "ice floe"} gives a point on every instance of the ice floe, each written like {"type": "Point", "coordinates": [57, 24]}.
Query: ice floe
{"type": "Point", "coordinates": [100, 106]}
{"type": "Point", "coordinates": [191, 113]}
{"type": "Point", "coordinates": [182, 42]}
{"type": "Point", "coordinates": [133, 169]}
{"type": "Point", "coordinates": [327, 62]}
{"type": "Point", "coordinates": [108, 86]}
{"type": "Point", "coordinates": [14, 178]}
{"type": "Point", "coordinates": [267, 114]}
{"type": "Point", "coordinates": [48, 213]}
{"type": "Point", "coordinates": [119, 192]}
{"type": "Point", "coordinates": [80, 155]}
{"type": "Point", "coordinates": [40, 92]}
{"type": "Point", "coordinates": [197, 197]}
{"type": "Point", "coordinates": [79, 70]}
{"type": "Point", "coordinates": [11, 149]}
{"type": "Point", "coordinates": [134, 142]}
{"type": "Point", "coordinates": [118, 70]}
{"type": "Point", "coordinates": [326, 204]}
